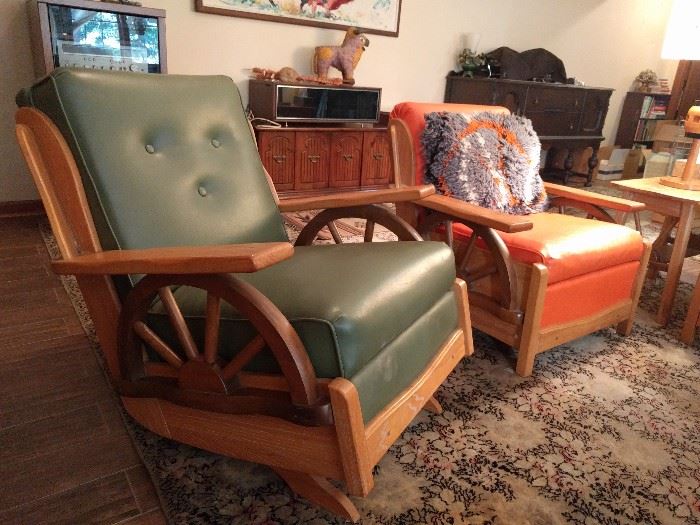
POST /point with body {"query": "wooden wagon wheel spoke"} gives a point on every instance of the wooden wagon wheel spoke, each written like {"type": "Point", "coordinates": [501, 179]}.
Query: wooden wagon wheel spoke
{"type": "Point", "coordinates": [211, 330]}
{"type": "Point", "coordinates": [369, 230]}
{"type": "Point", "coordinates": [242, 358]}
{"type": "Point", "coordinates": [334, 232]}
{"type": "Point", "coordinates": [463, 261]}
{"type": "Point", "coordinates": [478, 273]}
{"type": "Point", "coordinates": [176, 318]}
{"type": "Point", "coordinates": [156, 343]}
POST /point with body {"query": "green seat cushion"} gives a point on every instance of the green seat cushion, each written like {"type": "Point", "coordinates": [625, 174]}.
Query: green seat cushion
{"type": "Point", "coordinates": [349, 303]}
{"type": "Point", "coordinates": [402, 361]}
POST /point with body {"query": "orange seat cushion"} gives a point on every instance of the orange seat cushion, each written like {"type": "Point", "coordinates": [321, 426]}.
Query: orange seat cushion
{"type": "Point", "coordinates": [569, 246]}
{"type": "Point", "coordinates": [587, 295]}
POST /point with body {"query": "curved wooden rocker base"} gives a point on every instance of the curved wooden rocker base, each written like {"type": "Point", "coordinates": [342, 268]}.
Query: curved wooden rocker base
{"type": "Point", "coordinates": [321, 492]}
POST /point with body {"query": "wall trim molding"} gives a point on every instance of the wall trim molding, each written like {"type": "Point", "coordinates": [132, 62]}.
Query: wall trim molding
{"type": "Point", "coordinates": [19, 208]}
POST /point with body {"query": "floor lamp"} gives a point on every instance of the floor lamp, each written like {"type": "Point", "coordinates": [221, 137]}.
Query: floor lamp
{"type": "Point", "coordinates": [682, 42]}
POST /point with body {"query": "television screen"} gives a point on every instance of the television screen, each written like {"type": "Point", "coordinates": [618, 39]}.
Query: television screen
{"type": "Point", "coordinates": [104, 40]}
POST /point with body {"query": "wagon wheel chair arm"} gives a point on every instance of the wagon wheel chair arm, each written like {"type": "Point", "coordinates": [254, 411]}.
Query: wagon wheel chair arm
{"type": "Point", "coordinates": [366, 205]}
{"type": "Point", "coordinates": [441, 211]}
{"type": "Point", "coordinates": [203, 379]}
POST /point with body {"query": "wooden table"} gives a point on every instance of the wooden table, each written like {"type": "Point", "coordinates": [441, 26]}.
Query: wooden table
{"type": "Point", "coordinates": [678, 206]}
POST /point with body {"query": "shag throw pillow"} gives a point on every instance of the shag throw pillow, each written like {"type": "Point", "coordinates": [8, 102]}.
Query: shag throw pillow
{"type": "Point", "coordinates": [488, 159]}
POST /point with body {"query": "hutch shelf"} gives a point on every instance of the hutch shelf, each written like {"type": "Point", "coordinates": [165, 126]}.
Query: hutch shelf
{"type": "Point", "coordinates": [640, 114]}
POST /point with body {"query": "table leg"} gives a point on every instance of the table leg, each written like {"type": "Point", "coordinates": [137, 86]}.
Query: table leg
{"type": "Point", "coordinates": [568, 165]}
{"type": "Point", "coordinates": [592, 163]}
{"type": "Point", "coordinates": [659, 253]}
{"type": "Point", "coordinates": [691, 320]}
{"type": "Point", "coordinates": [675, 265]}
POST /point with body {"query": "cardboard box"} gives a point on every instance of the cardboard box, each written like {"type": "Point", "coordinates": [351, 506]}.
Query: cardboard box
{"type": "Point", "coordinates": [581, 157]}
{"type": "Point", "coordinates": [667, 134]}
{"type": "Point", "coordinates": [656, 164]}
{"type": "Point", "coordinates": [633, 162]}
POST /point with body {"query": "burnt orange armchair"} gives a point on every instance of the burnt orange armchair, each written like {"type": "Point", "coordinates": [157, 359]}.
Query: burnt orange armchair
{"type": "Point", "coordinates": [535, 281]}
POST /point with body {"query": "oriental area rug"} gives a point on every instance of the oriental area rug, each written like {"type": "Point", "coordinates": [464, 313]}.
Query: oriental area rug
{"type": "Point", "coordinates": [606, 431]}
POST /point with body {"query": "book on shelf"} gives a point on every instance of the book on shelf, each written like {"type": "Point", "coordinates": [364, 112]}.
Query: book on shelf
{"type": "Point", "coordinates": [638, 131]}
{"type": "Point", "coordinates": [645, 130]}
{"type": "Point", "coordinates": [653, 107]}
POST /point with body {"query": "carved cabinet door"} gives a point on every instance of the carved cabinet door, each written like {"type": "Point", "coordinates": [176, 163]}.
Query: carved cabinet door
{"type": "Point", "coordinates": [346, 160]}
{"type": "Point", "coordinates": [594, 112]}
{"type": "Point", "coordinates": [277, 155]}
{"type": "Point", "coordinates": [312, 160]}
{"type": "Point", "coordinates": [376, 159]}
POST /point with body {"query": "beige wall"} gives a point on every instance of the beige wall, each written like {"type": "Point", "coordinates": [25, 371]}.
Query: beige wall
{"type": "Point", "coordinates": [16, 71]}
{"type": "Point", "coordinates": [602, 42]}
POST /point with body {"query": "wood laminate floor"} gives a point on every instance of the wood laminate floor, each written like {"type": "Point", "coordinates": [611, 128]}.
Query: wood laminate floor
{"type": "Point", "coordinates": [65, 456]}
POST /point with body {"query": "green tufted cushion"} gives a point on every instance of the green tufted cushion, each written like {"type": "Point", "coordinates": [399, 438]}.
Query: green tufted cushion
{"type": "Point", "coordinates": [166, 160]}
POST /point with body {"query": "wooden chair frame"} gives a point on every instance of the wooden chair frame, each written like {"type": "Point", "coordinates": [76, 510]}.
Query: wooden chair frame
{"type": "Point", "coordinates": [307, 429]}
{"type": "Point", "coordinates": [506, 295]}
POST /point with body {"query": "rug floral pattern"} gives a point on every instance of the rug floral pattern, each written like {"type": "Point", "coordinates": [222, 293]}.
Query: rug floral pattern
{"type": "Point", "coordinates": [606, 431]}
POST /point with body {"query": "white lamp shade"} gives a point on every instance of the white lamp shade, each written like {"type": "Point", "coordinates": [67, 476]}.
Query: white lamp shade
{"type": "Point", "coordinates": [471, 41]}
{"type": "Point", "coordinates": [682, 41]}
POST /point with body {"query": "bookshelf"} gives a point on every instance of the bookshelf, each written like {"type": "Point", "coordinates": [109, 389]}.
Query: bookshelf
{"type": "Point", "coordinates": [640, 114]}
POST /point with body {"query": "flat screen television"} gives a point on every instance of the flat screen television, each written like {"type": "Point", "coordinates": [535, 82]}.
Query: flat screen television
{"type": "Point", "coordinates": [97, 35]}
{"type": "Point", "coordinates": [314, 103]}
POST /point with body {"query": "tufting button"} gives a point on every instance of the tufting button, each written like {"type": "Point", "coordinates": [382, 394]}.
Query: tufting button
{"type": "Point", "coordinates": [202, 191]}
{"type": "Point", "coordinates": [150, 148]}
{"type": "Point", "coordinates": [216, 143]}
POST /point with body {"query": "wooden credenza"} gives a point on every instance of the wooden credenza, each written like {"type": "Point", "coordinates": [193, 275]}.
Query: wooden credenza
{"type": "Point", "coordinates": [564, 116]}
{"type": "Point", "coordinates": [321, 160]}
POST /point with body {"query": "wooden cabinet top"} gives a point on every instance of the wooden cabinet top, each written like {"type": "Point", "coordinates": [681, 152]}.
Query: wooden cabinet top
{"type": "Point", "coordinates": [506, 81]}
{"type": "Point", "coordinates": [336, 129]}
{"type": "Point", "coordinates": [557, 111]}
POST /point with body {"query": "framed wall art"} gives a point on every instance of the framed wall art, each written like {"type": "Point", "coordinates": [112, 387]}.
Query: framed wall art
{"type": "Point", "coordinates": [371, 16]}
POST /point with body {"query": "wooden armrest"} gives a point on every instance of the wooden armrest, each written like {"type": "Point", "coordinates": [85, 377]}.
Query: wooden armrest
{"type": "Point", "coordinates": [232, 258]}
{"type": "Point", "coordinates": [357, 198]}
{"type": "Point", "coordinates": [470, 212]}
{"type": "Point", "coordinates": [596, 199]}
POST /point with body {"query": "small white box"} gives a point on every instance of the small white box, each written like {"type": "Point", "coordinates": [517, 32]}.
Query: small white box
{"type": "Point", "coordinates": [609, 171]}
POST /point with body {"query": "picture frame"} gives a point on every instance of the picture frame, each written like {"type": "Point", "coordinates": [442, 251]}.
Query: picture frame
{"type": "Point", "coordinates": [380, 17]}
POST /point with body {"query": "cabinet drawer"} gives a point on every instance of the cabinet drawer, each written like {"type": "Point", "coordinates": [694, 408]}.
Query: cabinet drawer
{"type": "Point", "coordinates": [345, 160]}
{"type": "Point", "coordinates": [555, 123]}
{"type": "Point", "coordinates": [468, 91]}
{"type": "Point", "coordinates": [554, 99]}
{"type": "Point", "coordinates": [487, 92]}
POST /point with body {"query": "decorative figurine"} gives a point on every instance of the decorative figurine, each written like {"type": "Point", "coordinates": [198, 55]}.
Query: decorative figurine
{"type": "Point", "coordinates": [646, 80]}
{"type": "Point", "coordinates": [344, 57]}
